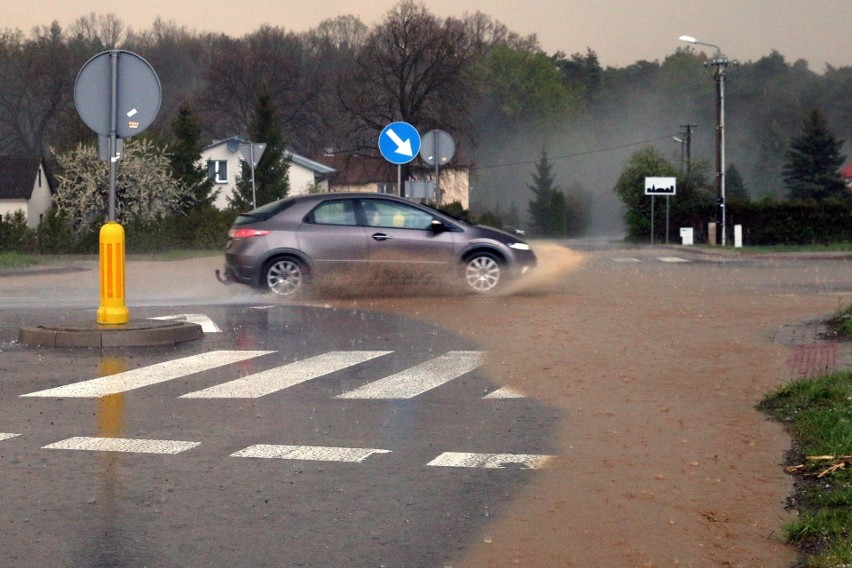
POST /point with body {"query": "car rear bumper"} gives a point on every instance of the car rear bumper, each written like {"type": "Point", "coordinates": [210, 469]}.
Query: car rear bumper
{"type": "Point", "coordinates": [235, 273]}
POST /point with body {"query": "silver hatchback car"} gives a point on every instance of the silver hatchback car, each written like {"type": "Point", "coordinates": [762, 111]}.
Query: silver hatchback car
{"type": "Point", "coordinates": [285, 245]}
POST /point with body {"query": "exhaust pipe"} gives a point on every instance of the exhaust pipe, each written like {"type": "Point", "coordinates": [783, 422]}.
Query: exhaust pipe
{"type": "Point", "coordinates": [223, 279]}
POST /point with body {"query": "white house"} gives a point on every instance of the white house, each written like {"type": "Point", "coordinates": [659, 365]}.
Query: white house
{"type": "Point", "coordinates": [24, 186]}
{"type": "Point", "coordinates": [223, 160]}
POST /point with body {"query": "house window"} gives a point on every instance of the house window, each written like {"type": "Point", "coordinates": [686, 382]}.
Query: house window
{"type": "Point", "coordinates": [217, 170]}
{"type": "Point", "coordinates": [385, 188]}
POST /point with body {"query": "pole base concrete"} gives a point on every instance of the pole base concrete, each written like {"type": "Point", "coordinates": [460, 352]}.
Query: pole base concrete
{"type": "Point", "coordinates": [140, 333]}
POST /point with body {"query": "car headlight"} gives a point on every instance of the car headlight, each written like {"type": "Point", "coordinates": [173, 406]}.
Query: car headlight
{"type": "Point", "coordinates": [519, 246]}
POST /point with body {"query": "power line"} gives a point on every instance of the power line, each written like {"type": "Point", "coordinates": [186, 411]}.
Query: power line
{"type": "Point", "coordinates": [577, 155]}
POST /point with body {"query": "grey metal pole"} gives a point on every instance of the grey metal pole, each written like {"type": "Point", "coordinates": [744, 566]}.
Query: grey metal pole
{"type": "Point", "coordinates": [723, 205]}
{"type": "Point", "coordinates": [667, 219]}
{"type": "Point", "coordinates": [113, 130]}
{"type": "Point", "coordinates": [652, 220]}
{"type": "Point", "coordinates": [437, 171]}
{"type": "Point", "coordinates": [253, 191]}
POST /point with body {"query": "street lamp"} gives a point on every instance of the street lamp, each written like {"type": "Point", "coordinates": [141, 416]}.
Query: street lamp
{"type": "Point", "coordinates": [721, 67]}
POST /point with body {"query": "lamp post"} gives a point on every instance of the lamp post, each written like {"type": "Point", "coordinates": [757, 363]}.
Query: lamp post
{"type": "Point", "coordinates": [720, 63]}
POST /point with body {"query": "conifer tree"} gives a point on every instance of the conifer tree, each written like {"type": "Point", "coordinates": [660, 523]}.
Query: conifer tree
{"type": "Point", "coordinates": [548, 216]}
{"type": "Point", "coordinates": [812, 166]}
{"type": "Point", "coordinates": [272, 173]}
{"type": "Point", "coordinates": [196, 187]}
{"type": "Point", "coordinates": [735, 187]}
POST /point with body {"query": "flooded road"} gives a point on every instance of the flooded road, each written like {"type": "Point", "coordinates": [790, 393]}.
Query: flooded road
{"type": "Point", "coordinates": [609, 422]}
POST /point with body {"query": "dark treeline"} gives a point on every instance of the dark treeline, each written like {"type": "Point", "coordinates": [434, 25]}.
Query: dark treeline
{"type": "Point", "coordinates": [502, 97]}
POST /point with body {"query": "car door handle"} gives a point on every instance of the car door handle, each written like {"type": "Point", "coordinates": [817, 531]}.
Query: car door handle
{"type": "Point", "coordinates": [381, 237]}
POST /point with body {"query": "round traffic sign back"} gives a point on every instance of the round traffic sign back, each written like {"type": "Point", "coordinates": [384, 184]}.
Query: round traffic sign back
{"type": "Point", "coordinates": [137, 89]}
{"type": "Point", "coordinates": [438, 147]}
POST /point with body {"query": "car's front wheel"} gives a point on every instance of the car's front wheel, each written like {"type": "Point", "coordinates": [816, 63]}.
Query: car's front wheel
{"type": "Point", "coordinates": [285, 276]}
{"type": "Point", "coordinates": [483, 272]}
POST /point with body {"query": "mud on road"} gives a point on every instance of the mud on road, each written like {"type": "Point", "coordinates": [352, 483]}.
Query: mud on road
{"type": "Point", "coordinates": [656, 368]}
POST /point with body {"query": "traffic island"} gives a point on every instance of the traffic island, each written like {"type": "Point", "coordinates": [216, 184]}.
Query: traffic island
{"type": "Point", "coordinates": [141, 333]}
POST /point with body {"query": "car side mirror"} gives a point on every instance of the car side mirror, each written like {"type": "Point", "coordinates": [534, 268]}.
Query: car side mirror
{"type": "Point", "coordinates": [437, 226]}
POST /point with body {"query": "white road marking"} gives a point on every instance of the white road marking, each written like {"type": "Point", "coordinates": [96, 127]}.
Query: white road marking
{"type": "Point", "coordinates": [672, 259]}
{"type": "Point", "coordinates": [139, 446]}
{"type": "Point", "coordinates": [421, 378]}
{"type": "Point", "coordinates": [490, 461]}
{"type": "Point", "coordinates": [207, 324]}
{"type": "Point", "coordinates": [146, 376]}
{"type": "Point", "coordinates": [626, 259]}
{"type": "Point", "coordinates": [308, 453]}
{"type": "Point", "coordinates": [273, 380]}
{"type": "Point", "coordinates": [505, 392]}
{"type": "Point", "coordinates": [5, 436]}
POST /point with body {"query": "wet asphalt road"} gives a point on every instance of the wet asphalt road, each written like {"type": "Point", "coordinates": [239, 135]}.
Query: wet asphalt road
{"type": "Point", "coordinates": [206, 506]}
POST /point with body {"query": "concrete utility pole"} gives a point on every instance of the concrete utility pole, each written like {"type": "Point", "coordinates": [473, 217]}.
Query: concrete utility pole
{"type": "Point", "coordinates": [720, 64]}
{"type": "Point", "coordinates": [688, 144]}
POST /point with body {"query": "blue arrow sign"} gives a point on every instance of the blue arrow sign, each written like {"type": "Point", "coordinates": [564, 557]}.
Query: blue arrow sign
{"type": "Point", "coordinates": [399, 142]}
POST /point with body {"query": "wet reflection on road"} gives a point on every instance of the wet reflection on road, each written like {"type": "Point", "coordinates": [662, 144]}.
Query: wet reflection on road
{"type": "Point", "coordinates": [109, 546]}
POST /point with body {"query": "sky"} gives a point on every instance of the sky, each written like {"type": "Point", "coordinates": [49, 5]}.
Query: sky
{"type": "Point", "coordinates": [621, 32]}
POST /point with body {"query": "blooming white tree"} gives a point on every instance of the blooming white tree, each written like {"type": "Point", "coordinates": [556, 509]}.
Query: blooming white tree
{"type": "Point", "coordinates": [144, 188]}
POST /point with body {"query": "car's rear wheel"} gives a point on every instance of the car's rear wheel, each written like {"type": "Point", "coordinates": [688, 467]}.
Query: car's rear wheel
{"type": "Point", "coordinates": [285, 276]}
{"type": "Point", "coordinates": [483, 272]}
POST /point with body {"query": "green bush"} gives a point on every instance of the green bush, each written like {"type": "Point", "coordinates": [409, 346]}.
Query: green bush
{"type": "Point", "coordinates": [15, 236]}
{"type": "Point", "coordinates": [775, 222]}
{"type": "Point", "coordinates": [55, 235]}
{"type": "Point", "coordinates": [201, 229]}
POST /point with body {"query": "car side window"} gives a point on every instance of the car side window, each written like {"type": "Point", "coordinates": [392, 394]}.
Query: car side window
{"type": "Point", "coordinates": [340, 212]}
{"type": "Point", "coordinates": [389, 214]}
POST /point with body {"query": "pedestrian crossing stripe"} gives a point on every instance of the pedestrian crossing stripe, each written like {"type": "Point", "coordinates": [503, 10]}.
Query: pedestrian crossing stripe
{"type": "Point", "coordinates": [6, 436]}
{"type": "Point", "coordinates": [308, 453]}
{"type": "Point", "coordinates": [505, 392]}
{"type": "Point", "coordinates": [633, 260]}
{"type": "Point", "coordinates": [297, 453]}
{"type": "Point", "coordinates": [399, 386]}
{"type": "Point", "coordinates": [490, 461]}
{"type": "Point", "coordinates": [279, 378]}
{"type": "Point", "coordinates": [147, 376]}
{"type": "Point", "coordinates": [207, 324]}
{"type": "Point", "coordinates": [127, 445]}
{"type": "Point", "coordinates": [421, 378]}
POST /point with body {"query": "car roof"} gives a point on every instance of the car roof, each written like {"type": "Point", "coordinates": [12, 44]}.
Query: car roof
{"type": "Point", "coordinates": [315, 197]}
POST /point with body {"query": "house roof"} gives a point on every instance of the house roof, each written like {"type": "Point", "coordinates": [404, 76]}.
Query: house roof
{"type": "Point", "coordinates": [355, 169]}
{"type": "Point", "coordinates": [846, 172]}
{"type": "Point", "coordinates": [234, 142]}
{"type": "Point", "coordinates": [18, 176]}
{"type": "Point", "coordinates": [309, 164]}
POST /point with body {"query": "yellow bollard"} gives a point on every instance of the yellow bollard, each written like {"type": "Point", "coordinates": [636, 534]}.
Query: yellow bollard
{"type": "Point", "coordinates": [112, 309]}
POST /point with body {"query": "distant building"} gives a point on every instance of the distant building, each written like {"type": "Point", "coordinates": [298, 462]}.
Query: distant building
{"type": "Point", "coordinates": [356, 172]}
{"type": "Point", "coordinates": [224, 167]}
{"type": "Point", "coordinates": [846, 174]}
{"type": "Point", "coordinates": [24, 186]}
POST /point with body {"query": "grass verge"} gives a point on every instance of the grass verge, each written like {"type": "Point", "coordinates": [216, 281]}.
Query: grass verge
{"type": "Point", "coordinates": [818, 414]}
{"type": "Point", "coordinates": [841, 322]}
{"type": "Point", "coordinates": [16, 260]}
